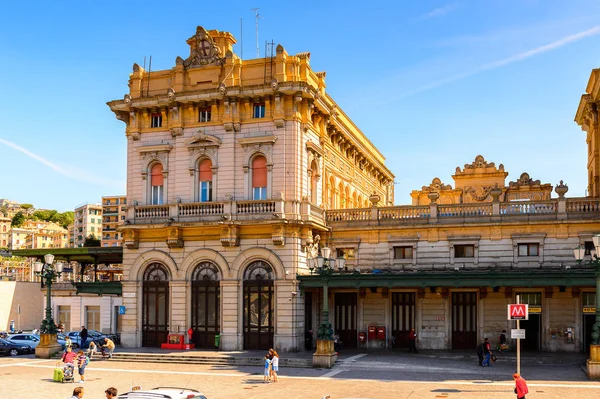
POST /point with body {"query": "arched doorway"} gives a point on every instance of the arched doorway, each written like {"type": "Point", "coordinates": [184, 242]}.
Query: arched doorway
{"type": "Point", "coordinates": [155, 304]}
{"type": "Point", "coordinates": [258, 306]}
{"type": "Point", "coordinates": [206, 302]}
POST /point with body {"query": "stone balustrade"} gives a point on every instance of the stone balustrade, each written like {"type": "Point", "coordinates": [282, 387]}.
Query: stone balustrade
{"type": "Point", "coordinates": [557, 209]}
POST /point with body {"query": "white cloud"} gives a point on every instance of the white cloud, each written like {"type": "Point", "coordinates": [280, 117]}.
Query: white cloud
{"type": "Point", "coordinates": [440, 11]}
{"type": "Point", "coordinates": [71, 172]}
{"type": "Point", "coordinates": [506, 61]}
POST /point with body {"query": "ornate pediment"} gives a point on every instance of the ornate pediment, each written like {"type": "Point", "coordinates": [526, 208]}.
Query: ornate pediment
{"type": "Point", "coordinates": [201, 139]}
{"type": "Point", "coordinates": [203, 50]}
{"type": "Point", "coordinates": [524, 180]}
{"type": "Point", "coordinates": [436, 185]}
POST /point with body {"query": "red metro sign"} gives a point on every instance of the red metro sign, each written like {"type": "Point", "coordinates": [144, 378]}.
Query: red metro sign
{"type": "Point", "coordinates": [518, 312]}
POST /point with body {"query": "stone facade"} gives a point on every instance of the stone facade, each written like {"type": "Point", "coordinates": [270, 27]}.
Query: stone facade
{"type": "Point", "coordinates": [185, 216]}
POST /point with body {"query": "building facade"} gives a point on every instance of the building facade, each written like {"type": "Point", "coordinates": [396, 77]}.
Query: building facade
{"type": "Point", "coordinates": [114, 211]}
{"type": "Point", "coordinates": [5, 226]}
{"type": "Point", "coordinates": [229, 174]}
{"type": "Point", "coordinates": [88, 221]}
{"type": "Point", "coordinates": [241, 171]}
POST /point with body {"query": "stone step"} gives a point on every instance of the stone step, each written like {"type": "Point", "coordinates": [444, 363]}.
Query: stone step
{"type": "Point", "coordinates": [199, 359]}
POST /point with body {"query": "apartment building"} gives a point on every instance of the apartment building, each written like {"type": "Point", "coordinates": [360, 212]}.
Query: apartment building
{"type": "Point", "coordinates": [46, 235]}
{"type": "Point", "coordinates": [114, 211]}
{"type": "Point", "coordinates": [4, 231]}
{"type": "Point", "coordinates": [88, 221]}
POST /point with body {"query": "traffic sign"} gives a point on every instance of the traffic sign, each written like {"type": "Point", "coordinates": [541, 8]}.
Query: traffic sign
{"type": "Point", "coordinates": [517, 334]}
{"type": "Point", "coordinates": [518, 311]}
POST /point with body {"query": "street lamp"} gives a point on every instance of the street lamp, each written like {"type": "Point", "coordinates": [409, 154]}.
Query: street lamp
{"type": "Point", "coordinates": [48, 273]}
{"type": "Point", "coordinates": [325, 267]}
{"type": "Point", "coordinates": [595, 263]}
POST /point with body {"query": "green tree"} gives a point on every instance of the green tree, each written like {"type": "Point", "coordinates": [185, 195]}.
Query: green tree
{"type": "Point", "coordinates": [65, 218]}
{"type": "Point", "coordinates": [18, 220]}
{"type": "Point", "coordinates": [26, 206]}
{"type": "Point", "coordinates": [91, 241]}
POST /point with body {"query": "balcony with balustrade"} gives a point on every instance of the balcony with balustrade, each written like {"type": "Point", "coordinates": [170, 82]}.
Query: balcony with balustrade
{"type": "Point", "coordinates": [212, 212]}
{"type": "Point", "coordinates": [495, 212]}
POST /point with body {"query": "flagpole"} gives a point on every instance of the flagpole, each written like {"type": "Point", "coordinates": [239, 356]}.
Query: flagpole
{"type": "Point", "coordinates": [518, 341]}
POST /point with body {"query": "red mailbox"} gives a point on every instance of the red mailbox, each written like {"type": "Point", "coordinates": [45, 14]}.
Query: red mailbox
{"type": "Point", "coordinates": [372, 331]}
{"type": "Point", "coordinates": [381, 333]}
{"type": "Point", "coordinates": [362, 337]}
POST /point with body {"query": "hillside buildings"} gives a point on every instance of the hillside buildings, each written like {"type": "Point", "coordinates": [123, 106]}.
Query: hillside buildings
{"type": "Point", "coordinates": [88, 221]}
{"type": "Point", "coordinates": [114, 210]}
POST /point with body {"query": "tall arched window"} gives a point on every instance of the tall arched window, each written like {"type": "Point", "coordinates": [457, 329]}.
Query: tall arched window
{"type": "Point", "coordinates": [341, 199]}
{"type": "Point", "coordinates": [156, 184]}
{"type": "Point", "coordinates": [347, 198]}
{"type": "Point", "coordinates": [313, 182]}
{"type": "Point", "coordinates": [259, 178]}
{"type": "Point", "coordinates": [4, 229]}
{"type": "Point", "coordinates": [205, 181]}
{"type": "Point", "coordinates": [331, 194]}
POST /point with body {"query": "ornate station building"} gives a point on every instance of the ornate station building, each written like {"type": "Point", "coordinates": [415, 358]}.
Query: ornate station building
{"type": "Point", "coordinates": [241, 171]}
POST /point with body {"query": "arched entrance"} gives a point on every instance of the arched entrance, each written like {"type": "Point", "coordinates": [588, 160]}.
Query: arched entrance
{"type": "Point", "coordinates": [206, 299]}
{"type": "Point", "coordinates": [155, 305]}
{"type": "Point", "coordinates": [258, 306]}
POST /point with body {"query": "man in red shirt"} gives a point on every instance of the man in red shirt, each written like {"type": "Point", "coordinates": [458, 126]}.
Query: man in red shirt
{"type": "Point", "coordinates": [412, 341]}
{"type": "Point", "coordinates": [520, 386]}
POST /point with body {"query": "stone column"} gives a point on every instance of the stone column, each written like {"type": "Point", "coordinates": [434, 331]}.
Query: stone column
{"type": "Point", "coordinates": [289, 330]}
{"type": "Point", "coordinates": [178, 323]}
{"type": "Point", "coordinates": [231, 316]}
{"type": "Point", "coordinates": [130, 331]}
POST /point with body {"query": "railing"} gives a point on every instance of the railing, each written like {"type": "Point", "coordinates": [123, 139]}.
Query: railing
{"type": "Point", "coordinates": [583, 205]}
{"type": "Point", "coordinates": [201, 209]}
{"type": "Point", "coordinates": [528, 208]}
{"type": "Point", "coordinates": [252, 207]}
{"type": "Point", "coordinates": [317, 212]}
{"type": "Point", "coordinates": [339, 215]}
{"type": "Point", "coordinates": [151, 211]}
{"type": "Point", "coordinates": [464, 210]}
{"type": "Point", "coordinates": [404, 212]}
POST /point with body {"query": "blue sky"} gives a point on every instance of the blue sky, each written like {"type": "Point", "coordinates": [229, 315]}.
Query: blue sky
{"type": "Point", "coordinates": [431, 83]}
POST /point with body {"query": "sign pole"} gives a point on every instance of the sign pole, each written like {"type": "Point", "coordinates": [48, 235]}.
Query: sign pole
{"type": "Point", "coordinates": [518, 342]}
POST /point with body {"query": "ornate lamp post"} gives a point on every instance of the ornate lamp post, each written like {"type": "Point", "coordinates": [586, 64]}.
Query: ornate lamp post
{"type": "Point", "coordinates": [325, 267]}
{"type": "Point", "coordinates": [593, 363]}
{"type": "Point", "coordinates": [49, 274]}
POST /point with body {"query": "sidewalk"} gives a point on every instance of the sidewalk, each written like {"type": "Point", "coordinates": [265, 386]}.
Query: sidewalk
{"type": "Point", "coordinates": [363, 356]}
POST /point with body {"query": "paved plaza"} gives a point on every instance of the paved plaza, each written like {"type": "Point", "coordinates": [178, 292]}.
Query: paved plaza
{"type": "Point", "coordinates": [357, 375]}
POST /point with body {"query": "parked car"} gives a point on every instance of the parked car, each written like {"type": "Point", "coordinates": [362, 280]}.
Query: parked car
{"type": "Point", "coordinates": [13, 349]}
{"type": "Point", "coordinates": [93, 335]}
{"type": "Point", "coordinates": [162, 392]}
{"type": "Point", "coordinates": [32, 340]}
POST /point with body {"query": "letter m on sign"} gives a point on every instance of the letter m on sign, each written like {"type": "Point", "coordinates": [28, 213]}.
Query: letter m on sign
{"type": "Point", "coordinates": [518, 312]}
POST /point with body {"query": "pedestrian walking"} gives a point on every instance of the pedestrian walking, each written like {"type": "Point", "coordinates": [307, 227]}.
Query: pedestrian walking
{"type": "Point", "coordinates": [267, 373]}
{"type": "Point", "coordinates": [68, 342]}
{"type": "Point", "coordinates": [111, 393]}
{"type": "Point", "coordinates": [412, 341]}
{"type": "Point", "coordinates": [82, 361]}
{"type": "Point", "coordinates": [480, 350]}
{"type": "Point", "coordinates": [110, 345]}
{"type": "Point", "coordinates": [487, 350]}
{"type": "Point", "coordinates": [520, 386]}
{"type": "Point", "coordinates": [275, 365]}
{"type": "Point", "coordinates": [83, 335]}
{"type": "Point", "coordinates": [77, 393]}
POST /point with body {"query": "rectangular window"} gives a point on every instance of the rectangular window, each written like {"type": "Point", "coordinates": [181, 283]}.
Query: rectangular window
{"type": "Point", "coordinates": [403, 252]}
{"type": "Point", "coordinates": [92, 229]}
{"type": "Point", "coordinates": [205, 191]}
{"type": "Point", "coordinates": [204, 114]}
{"type": "Point", "coordinates": [259, 111]}
{"type": "Point", "coordinates": [530, 249]}
{"type": "Point", "coordinates": [588, 299]}
{"type": "Point", "coordinates": [157, 195]}
{"type": "Point", "coordinates": [464, 251]}
{"type": "Point", "coordinates": [92, 317]}
{"type": "Point", "coordinates": [589, 247]}
{"type": "Point", "coordinates": [156, 120]}
{"type": "Point", "coordinates": [531, 298]}
{"type": "Point", "coordinates": [347, 253]}
{"type": "Point", "coordinates": [259, 193]}
{"type": "Point", "coordinates": [64, 317]}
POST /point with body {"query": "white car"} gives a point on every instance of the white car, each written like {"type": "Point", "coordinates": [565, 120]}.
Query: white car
{"type": "Point", "coordinates": [161, 393]}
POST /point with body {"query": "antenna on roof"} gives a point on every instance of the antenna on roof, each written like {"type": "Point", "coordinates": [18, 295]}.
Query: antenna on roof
{"type": "Point", "coordinates": [257, 17]}
{"type": "Point", "coordinates": [149, 70]}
